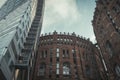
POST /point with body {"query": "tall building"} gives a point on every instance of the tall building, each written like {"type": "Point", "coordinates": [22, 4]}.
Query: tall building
{"type": "Point", "coordinates": [106, 25]}
{"type": "Point", "coordinates": [20, 27]}
{"type": "Point", "coordinates": [66, 57]}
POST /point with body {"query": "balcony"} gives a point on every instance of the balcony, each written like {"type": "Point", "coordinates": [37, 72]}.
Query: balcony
{"type": "Point", "coordinates": [23, 61]}
{"type": "Point", "coordinates": [29, 42]}
{"type": "Point", "coordinates": [33, 30]}
{"type": "Point", "coordinates": [26, 49]}
{"type": "Point", "coordinates": [31, 36]}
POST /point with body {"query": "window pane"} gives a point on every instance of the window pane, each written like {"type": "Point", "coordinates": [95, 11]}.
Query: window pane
{"type": "Point", "coordinates": [57, 65]}
{"type": "Point", "coordinates": [57, 55]}
{"type": "Point", "coordinates": [57, 50]}
{"type": "Point", "coordinates": [57, 71]}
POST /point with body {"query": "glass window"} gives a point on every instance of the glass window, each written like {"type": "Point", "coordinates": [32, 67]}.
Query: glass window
{"type": "Point", "coordinates": [11, 66]}
{"type": "Point", "coordinates": [73, 50]}
{"type": "Point", "coordinates": [20, 31]}
{"type": "Point", "coordinates": [16, 35]}
{"type": "Point", "coordinates": [63, 53]}
{"type": "Point", "coordinates": [66, 69]}
{"type": "Point", "coordinates": [87, 71]}
{"type": "Point", "coordinates": [14, 48]}
{"type": "Point", "coordinates": [67, 54]}
{"type": "Point", "coordinates": [41, 71]}
{"type": "Point", "coordinates": [57, 55]}
{"type": "Point", "coordinates": [45, 53]}
{"type": "Point", "coordinates": [57, 71]}
{"type": "Point", "coordinates": [57, 65]}
{"type": "Point", "coordinates": [7, 56]}
{"type": "Point", "coordinates": [57, 50]}
{"type": "Point", "coordinates": [109, 48]}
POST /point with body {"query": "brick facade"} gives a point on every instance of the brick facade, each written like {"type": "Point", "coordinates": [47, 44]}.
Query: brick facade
{"type": "Point", "coordinates": [106, 25]}
{"type": "Point", "coordinates": [66, 57]}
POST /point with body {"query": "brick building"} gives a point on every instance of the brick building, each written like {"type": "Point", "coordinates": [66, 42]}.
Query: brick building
{"type": "Point", "coordinates": [67, 57]}
{"type": "Point", "coordinates": [106, 25]}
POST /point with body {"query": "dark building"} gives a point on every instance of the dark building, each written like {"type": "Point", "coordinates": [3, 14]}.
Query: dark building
{"type": "Point", "coordinates": [106, 25]}
{"type": "Point", "coordinates": [67, 57]}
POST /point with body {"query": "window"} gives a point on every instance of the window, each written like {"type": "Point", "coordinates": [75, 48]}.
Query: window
{"type": "Point", "coordinates": [57, 71]}
{"type": "Point", "coordinates": [51, 52]}
{"type": "Point", "coordinates": [73, 50]}
{"type": "Point", "coordinates": [41, 71]}
{"type": "Point", "coordinates": [14, 48]}
{"type": "Point", "coordinates": [57, 52]}
{"type": "Point", "coordinates": [16, 35]}
{"type": "Point", "coordinates": [20, 31]}
{"type": "Point", "coordinates": [57, 55]}
{"type": "Point", "coordinates": [66, 68]}
{"type": "Point", "coordinates": [7, 56]}
{"type": "Point", "coordinates": [57, 65]}
{"type": "Point", "coordinates": [65, 53]}
{"type": "Point", "coordinates": [109, 48]}
{"type": "Point", "coordinates": [17, 2]}
{"type": "Point", "coordinates": [19, 46]}
{"type": "Point", "coordinates": [57, 68]}
{"type": "Point", "coordinates": [117, 70]}
{"type": "Point", "coordinates": [87, 70]}
{"type": "Point", "coordinates": [11, 66]}
{"type": "Point", "coordinates": [50, 65]}
{"type": "Point", "coordinates": [44, 54]}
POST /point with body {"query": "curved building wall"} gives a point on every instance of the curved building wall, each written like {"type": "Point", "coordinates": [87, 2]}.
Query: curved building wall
{"type": "Point", "coordinates": [66, 57]}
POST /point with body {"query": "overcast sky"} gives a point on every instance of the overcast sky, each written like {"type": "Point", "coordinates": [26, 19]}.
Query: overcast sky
{"type": "Point", "coordinates": [69, 16]}
{"type": "Point", "coordinates": [2, 2]}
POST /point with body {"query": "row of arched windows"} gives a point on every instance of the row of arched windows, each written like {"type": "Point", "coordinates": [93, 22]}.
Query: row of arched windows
{"type": "Point", "coordinates": [65, 67]}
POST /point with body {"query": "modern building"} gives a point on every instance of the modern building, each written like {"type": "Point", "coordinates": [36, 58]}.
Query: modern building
{"type": "Point", "coordinates": [20, 27]}
{"type": "Point", "coordinates": [67, 56]}
{"type": "Point", "coordinates": [106, 25]}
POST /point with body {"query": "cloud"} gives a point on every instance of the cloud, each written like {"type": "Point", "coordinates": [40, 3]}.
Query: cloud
{"type": "Point", "coordinates": [2, 2]}
{"type": "Point", "coordinates": [93, 39]}
{"type": "Point", "coordinates": [59, 12]}
{"type": "Point", "coordinates": [69, 16]}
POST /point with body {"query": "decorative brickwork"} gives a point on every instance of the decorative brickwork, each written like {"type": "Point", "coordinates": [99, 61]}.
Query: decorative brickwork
{"type": "Point", "coordinates": [66, 57]}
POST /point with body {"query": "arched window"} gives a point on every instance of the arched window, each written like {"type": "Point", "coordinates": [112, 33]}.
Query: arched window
{"type": "Point", "coordinates": [66, 68]}
{"type": "Point", "coordinates": [87, 70]}
{"type": "Point", "coordinates": [42, 69]}
{"type": "Point", "coordinates": [109, 48]}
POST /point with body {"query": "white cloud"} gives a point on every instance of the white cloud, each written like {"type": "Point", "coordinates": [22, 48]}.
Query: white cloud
{"type": "Point", "coordinates": [60, 12]}
{"type": "Point", "coordinates": [69, 16]}
{"type": "Point", "coordinates": [93, 39]}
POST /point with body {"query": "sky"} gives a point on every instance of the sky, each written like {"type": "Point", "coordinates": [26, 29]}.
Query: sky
{"type": "Point", "coordinates": [69, 16]}
{"type": "Point", "coordinates": [2, 2]}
